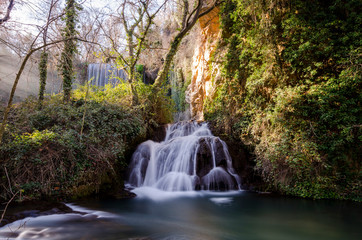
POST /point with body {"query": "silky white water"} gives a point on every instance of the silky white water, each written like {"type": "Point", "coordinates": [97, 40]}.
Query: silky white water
{"type": "Point", "coordinates": [102, 74]}
{"type": "Point", "coordinates": [190, 158]}
{"type": "Point", "coordinates": [164, 209]}
{"type": "Point", "coordinates": [205, 216]}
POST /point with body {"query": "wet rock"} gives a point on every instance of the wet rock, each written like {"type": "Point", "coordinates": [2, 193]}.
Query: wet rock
{"type": "Point", "coordinates": [203, 158]}
{"type": "Point", "coordinates": [157, 134]}
{"type": "Point", "coordinates": [242, 159]}
{"type": "Point", "coordinates": [220, 156]}
{"type": "Point", "coordinates": [9, 235]}
{"type": "Point", "coordinates": [219, 179]}
{"type": "Point", "coordinates": [150, 75]}
{"type": "Point", "coordinates": [125, 193]}
{"type": "Point", "coordinates": [203, 76]}
{"type": "Point", "coordinates": [34, 209]}
{"type": "Point", "coordinates": [146, 158]}
{"type": "Point", "coordinates": [197, 183]}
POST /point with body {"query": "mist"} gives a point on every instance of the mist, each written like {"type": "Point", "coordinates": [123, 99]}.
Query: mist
{"type": "Point", "coordinates": [29, 81]}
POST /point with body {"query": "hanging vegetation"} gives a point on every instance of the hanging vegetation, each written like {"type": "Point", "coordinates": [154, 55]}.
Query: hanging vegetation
{"type": "Point", "coordinates": [292, 91]}
{"type": "Point", "coordinates": [70, 48]}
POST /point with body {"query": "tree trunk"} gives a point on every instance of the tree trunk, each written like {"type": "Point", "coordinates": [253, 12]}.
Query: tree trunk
{"type": "Point", "coordinates": [162, 75]}
{"type": "Point", "coordinates": [67, 74]}
{"type": "Point", "coordinates": [135, 100]}
{"type": "Point", "coordinates": [189, 21]}
{"type": "Point", "coordinates": [42, 76]}
{"type": "Point", "coordinates": [7, 15]}
{"type": "Point", "coordinates": [15, 84]}
{"type": "Point", "coordinates": [69, 49]}
{"type": "Point", "coordinates": [10, 102]}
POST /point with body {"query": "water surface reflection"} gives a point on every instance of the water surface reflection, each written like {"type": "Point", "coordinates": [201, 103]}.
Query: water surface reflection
{"type": "Point", "coordinates": [203, 216]}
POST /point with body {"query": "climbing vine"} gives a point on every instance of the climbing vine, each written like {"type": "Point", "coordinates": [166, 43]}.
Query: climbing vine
{"type": "Point", "coordinates": [292, 90]}
{"type": "Point", "coordinates": [70, 47]}
{"type": "Point", "coordinates": [42, 76]}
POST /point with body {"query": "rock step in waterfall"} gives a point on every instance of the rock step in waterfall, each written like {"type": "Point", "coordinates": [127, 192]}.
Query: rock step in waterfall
{"type": "Point", "coordinates": [190, 158]}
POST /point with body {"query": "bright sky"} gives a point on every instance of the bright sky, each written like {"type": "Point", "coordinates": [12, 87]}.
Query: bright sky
{"type": "Point", "coordinates": [21, 14]}
{"type": "Point", "coordinates": [25, 12]}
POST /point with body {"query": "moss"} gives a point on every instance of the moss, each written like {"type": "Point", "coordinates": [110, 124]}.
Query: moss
{"type": "Point", "coordinates": [43, 71]}
{"type": "Point", "coordinates": [291, 90]}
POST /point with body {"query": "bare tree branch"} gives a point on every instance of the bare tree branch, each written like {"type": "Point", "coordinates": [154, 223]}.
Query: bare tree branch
{"type": "Point", "coordinates": [188, 22]}
{"type": "Point", "coordinates": [7, 15]}
{"type": "Point", "coordinates": [18, 75]}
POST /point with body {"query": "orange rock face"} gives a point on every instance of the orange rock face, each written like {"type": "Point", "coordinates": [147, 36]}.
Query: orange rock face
{"type": "Point", "coordinates": [202, 66]}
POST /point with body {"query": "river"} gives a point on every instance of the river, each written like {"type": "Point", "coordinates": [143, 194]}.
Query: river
{"type": "Point", "coordinates": [197, 215]}
{"type": "Point", "coordinates": [166, 175]}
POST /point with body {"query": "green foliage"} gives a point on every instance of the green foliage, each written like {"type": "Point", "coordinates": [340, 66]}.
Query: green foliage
{"type": "Point", "coordinates": [71, 150]}
{"type": "Point", "coordinates": [35, 138]}
{"type": "Point", "coordinates": [155, 108]}
{"type": "Point", "coordinates": [43, 70]}
{"type": "Point", "coordinates": [45, 154]}
{"type": "Point", "coordinates": [178, 89]}
{"type": "Point", "coordinates": [120, 94]}
{"type": "Point", "coordinates": [139, 68]}
{"type": "Point", "coordinates": [292, 91]}
{"type": "Point", "coordinates": [70, 47]}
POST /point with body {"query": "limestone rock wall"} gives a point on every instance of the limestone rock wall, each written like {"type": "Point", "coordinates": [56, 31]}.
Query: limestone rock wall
{"type": "Point", "coordinates": [203, 68]}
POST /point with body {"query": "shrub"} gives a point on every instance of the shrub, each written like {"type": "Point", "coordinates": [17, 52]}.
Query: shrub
{"type": "Point", "coordinates": [291, 89]}
{"type": "Point", "coordinates": [46, 155]}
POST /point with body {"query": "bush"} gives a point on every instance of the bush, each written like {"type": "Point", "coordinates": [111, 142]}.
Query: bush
{"type": "Point", "coordinates": [46, 155]}
{"type": "Point", "coordinates": [292, 91]}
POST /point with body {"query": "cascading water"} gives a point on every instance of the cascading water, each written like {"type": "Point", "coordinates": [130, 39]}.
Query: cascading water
{"type": "Point", "coordinates": [190, 158]}
{"type": "Point", "coordinates": [104, 73]}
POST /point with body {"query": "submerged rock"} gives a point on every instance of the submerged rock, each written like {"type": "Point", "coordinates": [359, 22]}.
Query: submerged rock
{"type": "Point", "coordinates": [34, 209]}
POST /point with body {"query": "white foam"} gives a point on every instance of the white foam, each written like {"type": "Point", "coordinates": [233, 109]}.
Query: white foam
{"type": "Point", "coordinates": [156, 194]}
{"type": "Point", "coordinates": [43, 220]}
{"type": "Point", "coordinates": [172, 164]}
{"type": "Point", "coordinates": [89, 212]}
{"type": "Point", "coordinates": [222, 200]}
{"type": "Point", "coordinates": [222, 194]}
{"type": "Point", "coordinates": [160, 195]}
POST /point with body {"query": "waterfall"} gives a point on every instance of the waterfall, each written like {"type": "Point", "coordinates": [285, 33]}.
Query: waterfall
{"type": "Point", "coordinates": [104, 73]}
{"type": "Point", "coordinates": [190, 158]}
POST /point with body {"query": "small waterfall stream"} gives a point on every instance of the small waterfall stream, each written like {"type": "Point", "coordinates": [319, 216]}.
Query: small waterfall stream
{"type": "Point", "coordinates": [104, 73]}
{"type": "Point", "coordinates": [190, 158]}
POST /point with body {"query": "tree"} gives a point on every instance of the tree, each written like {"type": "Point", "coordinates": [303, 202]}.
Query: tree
{"type": "Point", "coordinates": [25, 60]}
{"type": "Point", "coordinates": [7, 14]}
{"type": "Point", "coordinates": [44, 57]}
{"type": "Point", "coordinates": [69, 49]}
{"type": "Point", "coordinates": [188, 21]}
{"type": "Point", "coordinates": [136, 18]}
{"type": "Point", "coordinates": [25, 51]}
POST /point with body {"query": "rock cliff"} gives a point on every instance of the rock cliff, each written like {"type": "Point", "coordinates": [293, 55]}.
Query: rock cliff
{"type": "Point", "coordinates": [204, 70]}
